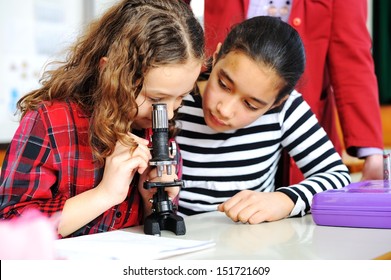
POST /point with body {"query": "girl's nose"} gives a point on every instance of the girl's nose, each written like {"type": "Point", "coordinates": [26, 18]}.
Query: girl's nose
{"type": "Point", "coordinates": [226, 107]}
{"type": "Point", "coordinates": [173, 106]}
{"type": "Point", "coordinates": [170, 110]}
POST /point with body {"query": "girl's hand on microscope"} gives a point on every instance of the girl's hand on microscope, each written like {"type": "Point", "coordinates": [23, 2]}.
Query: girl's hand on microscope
{"type": "Point", "coordinates": [151, 175]}
{"type": "Point", "coordinates": [121, 166]}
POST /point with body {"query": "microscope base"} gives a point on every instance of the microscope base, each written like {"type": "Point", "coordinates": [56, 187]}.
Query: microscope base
{"type": "Point", "coordinates": [155, 223]}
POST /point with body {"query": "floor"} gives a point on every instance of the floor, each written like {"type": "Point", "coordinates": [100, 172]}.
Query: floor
{"type": "Point", "coordinates": [2, 153]}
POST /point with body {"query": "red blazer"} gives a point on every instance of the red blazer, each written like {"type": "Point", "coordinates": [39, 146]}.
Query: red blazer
{"type": "Point", "coordinates": [339, 62]}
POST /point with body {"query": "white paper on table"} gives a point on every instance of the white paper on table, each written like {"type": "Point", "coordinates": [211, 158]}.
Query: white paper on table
{"type": "Point", "coordinates": [122, 245]}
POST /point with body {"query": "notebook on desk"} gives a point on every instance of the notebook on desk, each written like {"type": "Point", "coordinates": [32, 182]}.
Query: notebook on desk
{"type": "Point", "coordinates": [364, 204]}
{"type": "Point", "coordinates": [123, 245]}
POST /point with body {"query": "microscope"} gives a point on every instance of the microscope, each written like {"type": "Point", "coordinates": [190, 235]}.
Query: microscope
{"type": "Point", "coordinates": [163, 215]}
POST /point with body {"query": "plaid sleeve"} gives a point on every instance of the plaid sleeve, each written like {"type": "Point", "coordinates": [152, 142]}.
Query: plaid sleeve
{"type": "Point", "coordinates": [28, 174]}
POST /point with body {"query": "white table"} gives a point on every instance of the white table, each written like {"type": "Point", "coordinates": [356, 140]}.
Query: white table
{"type": "Point", "coordinates": [288, 239]}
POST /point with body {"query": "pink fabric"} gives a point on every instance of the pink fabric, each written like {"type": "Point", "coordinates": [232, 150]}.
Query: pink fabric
{"type": "Point", "coordinates": [30, 236]}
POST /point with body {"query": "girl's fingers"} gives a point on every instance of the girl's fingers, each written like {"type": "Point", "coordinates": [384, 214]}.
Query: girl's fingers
{"type": "Point", "coordinates": [139, 140]}
{"type": "Point", "coordinates": [145, 156]}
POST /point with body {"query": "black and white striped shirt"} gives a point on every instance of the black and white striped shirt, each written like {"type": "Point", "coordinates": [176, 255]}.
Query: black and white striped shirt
{"type": "Point", "coordinates": [218, 165]}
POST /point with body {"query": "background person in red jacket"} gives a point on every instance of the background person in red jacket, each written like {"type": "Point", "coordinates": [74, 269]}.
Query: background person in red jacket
{"type": "Point", "coordinates": [339, 71]}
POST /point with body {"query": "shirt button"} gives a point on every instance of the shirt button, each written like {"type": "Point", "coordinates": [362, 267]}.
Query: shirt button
{"type": "Point", "coordinates": [118, 214]}
{"type": "Point", "coordinates": [296, 21]}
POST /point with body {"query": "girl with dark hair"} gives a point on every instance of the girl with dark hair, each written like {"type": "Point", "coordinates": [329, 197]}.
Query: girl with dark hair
{"type": "Point", "coordinates": [233, 132]}
{"type": "Point", "coordinates": [80, 147]}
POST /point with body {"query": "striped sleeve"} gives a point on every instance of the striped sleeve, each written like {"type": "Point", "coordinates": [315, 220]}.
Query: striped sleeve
{"type": "Point", "coordinates": [308, 144]}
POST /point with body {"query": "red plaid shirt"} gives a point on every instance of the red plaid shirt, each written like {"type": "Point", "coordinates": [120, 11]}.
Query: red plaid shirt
{"type": "Point", "coordinates": [50, 160]}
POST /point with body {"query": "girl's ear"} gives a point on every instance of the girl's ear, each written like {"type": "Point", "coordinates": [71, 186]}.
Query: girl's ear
{"type": "Point", "coordinates": [216, 53]}
{"type": "Point", "coordinates": [102, 62]}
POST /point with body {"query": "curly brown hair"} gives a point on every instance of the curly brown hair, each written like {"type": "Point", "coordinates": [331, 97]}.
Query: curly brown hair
{"type": "Point", "coordinates": [135, 36]}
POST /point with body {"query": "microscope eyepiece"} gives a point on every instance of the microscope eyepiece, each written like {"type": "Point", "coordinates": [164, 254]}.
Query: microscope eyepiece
{"type": "Point", "coordinates": [159, 116]}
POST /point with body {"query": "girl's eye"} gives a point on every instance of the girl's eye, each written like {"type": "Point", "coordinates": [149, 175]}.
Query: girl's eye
{"type": "Point", "coordinates": [250, 106]}
{"type": "Point", "coordinates": [223, 85]}
{"type": "Point", "coordinates": [154, 100]}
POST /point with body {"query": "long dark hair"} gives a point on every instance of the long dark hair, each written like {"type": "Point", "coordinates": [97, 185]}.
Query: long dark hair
{"type": "Point", "coordinates": [272, 43]}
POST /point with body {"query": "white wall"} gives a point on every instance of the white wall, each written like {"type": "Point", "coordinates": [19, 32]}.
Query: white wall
{"type": "Point", "coordinates": [31, 32]}
{"type": "Point", "coordinates": [369, 20]}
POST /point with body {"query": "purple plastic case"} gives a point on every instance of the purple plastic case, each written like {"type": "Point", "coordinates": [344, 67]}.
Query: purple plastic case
{"type": "Point", "coordinates": [364, 204]}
